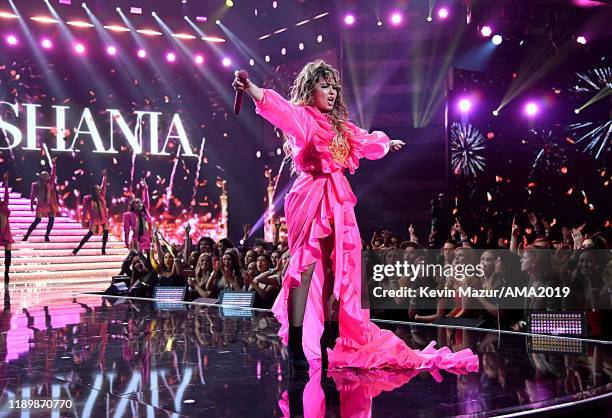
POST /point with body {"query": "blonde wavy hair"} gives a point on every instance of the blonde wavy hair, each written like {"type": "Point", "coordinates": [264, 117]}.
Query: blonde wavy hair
{"type": "Point", "coordinates": [302, 94]}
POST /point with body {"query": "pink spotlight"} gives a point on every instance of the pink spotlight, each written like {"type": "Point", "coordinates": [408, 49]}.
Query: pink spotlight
{"type": "Point", "coordinates": [581, 40]}
{"type": "Point", "coordinates": [46, 43]}
{"type": "Point", "coordinates": [531, 109]}
{"type": "Point", "coordinates": [141, 53]}
{"type": "Point", "coordinates": [486, 31]}
{"type": "Point", "coordinates": [199, 59]}
{"type": "Point", "coordinates": [443, 13]}
{"type": "Point", "coordinates": [170, 57]}
{"type": "Point", "coordinates": [465, 105]}
{"type": "Point", "coordinates": [12, 40]}
{"type": "Point", "coordinates": [226, 62]}
{"type": "Point", "coordinates": [79, 48]}
{"type": "Point", "coordinates": [396, 18]}
{"type": "Point", "coordinates": [111, 50]}
{"type": "Point", "coordinates": [349, 19]}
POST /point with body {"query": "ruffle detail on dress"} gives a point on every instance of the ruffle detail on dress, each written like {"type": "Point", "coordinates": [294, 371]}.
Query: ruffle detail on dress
{"type": "Point", "coordinates": [385, 351]}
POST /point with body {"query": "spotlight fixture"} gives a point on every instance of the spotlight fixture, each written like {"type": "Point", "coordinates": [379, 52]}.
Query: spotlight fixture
{"type": "Point", "coordinates": [7, 15]}
{"type": "Point", "coordinates": [429, 19]}
{"type": "Point", "coordinates": [267, 58]}
{"type": "Point", "coordinates": [531, 109]}
{"type": "Point", "coordinates": [396, 18]}
{"type": "Point", "coordinates": [379, 23]}
{"type": "Point", "coordinates": [486, 31]}
{"type": "Point", "coordinates": [576, 111]}
{"type": "Point", "coordinates": [349, 19]}
{"type": "Point", "coordinates": [226, 62]}
{"type": "Point", "coordinates": [12, 40]}
{"type": "Point", "coordinates": [79, 48]}
{"type": "Point", "coordinates": [251, 62]}
{"type": "Point", "coordinates": [217, 22]}
{"type": "Point", "coordinates": [199, 59]}
{"type": "Point", "coordinates": [111, 50]}
{"type": "Point", "coordinates": [581, 40]}
{"type": "Point", "coordinates": [443, 13]}
{"type": "Point", "coordinates": [149, 32]}
{"type": "Point", "coordinates": [229, 3]}
{"type": "Point", "coordinates": [301, 46]}
{"type": "Point", "coordinates": [283, 51]}
{"type": "Point", "coordinates": [319, 38]}
{"type": "Point", "coordinates": [497, 39]}
{"type": "Point", "coordinates": [213, 39]}
{"type": "Point", "coordinates": [170, 57]}
{"type": "Point", "coordinates": [496, 113]}
{"type": "Point", "coordinates": [183, 36]}
{"type": "Point", "coordinates": [141, 53]}
{"type": "Point", "coordinates": [465, 105]}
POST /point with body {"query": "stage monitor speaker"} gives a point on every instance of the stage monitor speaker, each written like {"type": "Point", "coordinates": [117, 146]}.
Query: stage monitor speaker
{"type": "Point", "coordinates": [236, 303]}
{"type": "Point", "coordinates": [124, 278]}
{"type": "Point", "coordinates": [117, 289]}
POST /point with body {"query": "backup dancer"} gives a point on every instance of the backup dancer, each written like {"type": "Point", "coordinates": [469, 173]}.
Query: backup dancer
{"type": "Point", "coordinates": [322, 284]}
{"type": "Point", "coordinates": [6, 238]}
{"type": "Point", "coordinates": [137, 222]}
{"type": "Point", "coordinates": [43, 196]}
{"type": "Point", "coordinates": [95, 215]}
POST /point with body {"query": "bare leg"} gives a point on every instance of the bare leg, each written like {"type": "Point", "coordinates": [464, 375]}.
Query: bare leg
{"type": "Point", "coordinates": [298, 297]}
{"type": "Point", "coordinates": [330, 304]}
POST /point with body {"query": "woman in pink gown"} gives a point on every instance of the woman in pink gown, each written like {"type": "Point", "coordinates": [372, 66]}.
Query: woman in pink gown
{"type": "Point", "coordinates": [6, 238]}
{"type": "Point", "coordinates": [137, 223]}
{"type": "Point", "coordinates": [95, 215]}
{"type": "Point", "coordinates": [322, 284]}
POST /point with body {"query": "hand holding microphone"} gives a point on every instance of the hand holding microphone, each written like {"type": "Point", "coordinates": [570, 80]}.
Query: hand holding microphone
{"type": "Point", "coordinates": [240, 84]}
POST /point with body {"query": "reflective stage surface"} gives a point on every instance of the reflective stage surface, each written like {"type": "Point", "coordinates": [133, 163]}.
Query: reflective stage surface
{"type": "Point", "coordinates": [113, 358]}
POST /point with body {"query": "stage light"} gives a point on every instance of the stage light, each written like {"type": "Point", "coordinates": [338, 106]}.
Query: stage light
{"type": "Point", "coordinates": [531, 109]}
{"type": "Point", "coordinates": [170, 57]}
{"type": "Point", "coordinates": [379, 23]}
{"type": "Point", "coordinates": [149, 32]}
{"type": "Point", "coordinates": [118, 9]}
{"type": "Point", "coordinates": [274, 4]}
{"type": "Point", "coordinates": [267, 58]}
{"type": "Point", "coordinates": [258, 154]}
{"type": "Point", "coordinates": [396, 19]}
{"type": "Point", "coordinates": [217, 22]}
{"type": "Point", "coordinates": [278, 151]}
{"type": "Point", "coordinates": [80, 24]}
{"type": "Point", "coordinates": [283, 51]}
{"type": "Point", "coordinates": [226, 62]}
{"type": "Point", "coordinates": [496, 113]}
{"type": "Point", "coordinates": [251, 62]}
{"type": "Point", "coordinates": [576, 111]}
{"type": "Point", "coordinates": [429, 18]}
{"type": "Point", "coordinates": [301, 46]}
{"type": "Point", "coordinates": [581, 40]}
{"type": "Point", "coordinates": [199, 59]}
{"type": "Point", "coordinates": [443, 13]}
{"type": "Point", "coordinates": [486, 31]}
{"type": "Point", "coordinates": [213, 39]}
{"type": "Point", "coordinates": [201, 19]}
{"type": "Point", "coordinates": [12, 40]}
{"type": "Point", "coordinates": [319, 38]}
{"type": "Point", "coordinates": [141, 53]}
{"type": "Point", "coordinates": [111, 50]}
{"type": "Point", "coordinates": [183, 36]}
{"type": "Point", "coordinates": [117, 28]}
{"type": "Point", "coordinates": [349, 20]}
{"type": "Point", "coordinates": [229, 3]}
{"type": "Point", "coordinates": [79, 48]}
{"type": "Point", "coordinates": [465, 105]}
{"type": "Point", "coordinates": [496, 39]}
{"type": "Point", "coordinates": [46, 43]}
{"type": "Point", "coordinates": [44, 19]}
{"type": "Point", "coordinates": [7, 15]}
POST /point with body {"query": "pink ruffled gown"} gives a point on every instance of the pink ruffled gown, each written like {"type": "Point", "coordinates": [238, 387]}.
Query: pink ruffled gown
{"type": "Point", "coordinates": [321, 203]}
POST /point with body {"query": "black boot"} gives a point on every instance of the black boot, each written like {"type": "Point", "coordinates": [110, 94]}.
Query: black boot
{"type": "Point", "coordinates": [50, 222]}
{"type": "Point", "coordinates": [7, 265]}
{"type": "Point", "coordinates": [331, 332]}
{"type": "Point", "coordinates": [104, 241]}
{"type": "Point", "coordinates": [31, 228]}
{"type": "Point", "coordinates": [297, 359]}
{"type": "Point", "coordinates": [83, 241]}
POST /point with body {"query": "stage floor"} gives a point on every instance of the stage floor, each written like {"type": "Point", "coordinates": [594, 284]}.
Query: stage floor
{"type": "Point", "coordinates": [137, 358]}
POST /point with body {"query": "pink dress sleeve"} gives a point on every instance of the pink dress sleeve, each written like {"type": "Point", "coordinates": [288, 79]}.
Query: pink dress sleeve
{"type": "Point", "coordinates": [372, 146]}
{"type": "Point", "coordinates": [127, 226]}
{"type": "Point", "coordinates": [292, 119]}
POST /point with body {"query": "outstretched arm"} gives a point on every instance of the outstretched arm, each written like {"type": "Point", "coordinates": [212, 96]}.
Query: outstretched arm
{"type": "Point", "coordinates": [103, 185]}
{"type": "Point", "coordinates": [145, 195]}
{"type": "Point", "coordinates": [374, 145]}
{"type": "Point", "coordinates": [53, 178]}
{"type": "Point", "coordinates": [292, 119]}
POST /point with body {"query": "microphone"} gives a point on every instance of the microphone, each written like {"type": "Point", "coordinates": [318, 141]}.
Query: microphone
{"type": "Point", "coordinates": [242, 76]}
